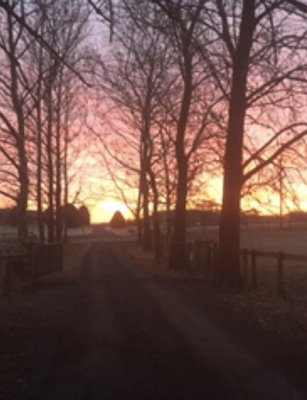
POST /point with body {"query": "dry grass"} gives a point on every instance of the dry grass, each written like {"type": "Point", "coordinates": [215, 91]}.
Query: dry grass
{"type": "Point", "coordinates": [284, 317]}
{"type": "Point", "coordinates": [281, 316]}
{"type": "Point", "coordinates": [261, 238]}
{"type": "Point", "coordinates": [147, 260]}
{"type": "Point", "coordinates": [73, 254]}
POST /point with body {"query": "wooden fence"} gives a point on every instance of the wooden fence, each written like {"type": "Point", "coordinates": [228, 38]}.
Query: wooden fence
{"type": "Point", "coordinates": [203, 258]}
{"type": "Point", "coordinates": [251, 257]}
{"type": "Point", "coordinates": [39, 260]}
{"type": "Point", "coordinates": [46, 258]}
{"type": "Point", "coordinates": [12, 265]}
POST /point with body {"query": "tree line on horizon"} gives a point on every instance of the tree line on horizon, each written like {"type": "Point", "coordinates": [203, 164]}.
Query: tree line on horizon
{"type": "Point", "coordinates": [184, 92]}
{"type": "Point", "coordinates": [74, 217]}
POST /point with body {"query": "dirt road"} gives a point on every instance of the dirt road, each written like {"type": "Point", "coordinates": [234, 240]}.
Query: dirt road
{"type": "Point", "coordinates": [117, 332]}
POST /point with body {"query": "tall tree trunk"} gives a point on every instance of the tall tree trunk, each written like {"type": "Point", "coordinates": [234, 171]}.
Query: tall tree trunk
{"type": "Point", "coordinates": [22, 201]}
{"type": "Point", "coordinates": [65, 176]}
{"type": "Point", "coordinates": [138, 217]}
{"type": "Point", "coordinates": [155, 218]}
{"type": "Point", "coordinates": [146, 240]}
{"type": "Point", "coordinates": [39, 144]}
{"type": "Point", "coordinates": [281, 193]}
{"type": "Point", "coordinates": [23, 195]}
{"type": "Point", "coordinates": [145, 155]}
{"type": "Point", "coordinates": [178, 253]}
{"type": "Point", "coordinates": [157, 232]}
{"type": "Point", "coordinates": [167, 196]}
{"type": "Point", "coordinates": [58, 186]}
{"type": "Point", "coordinates": [228, 268]}
{"type": "Point", "coordinates": [50, 166]}
{"type": "Point", "coordinates": [168, 221]}
{"type": "Point", "coordinates": [40, 220]}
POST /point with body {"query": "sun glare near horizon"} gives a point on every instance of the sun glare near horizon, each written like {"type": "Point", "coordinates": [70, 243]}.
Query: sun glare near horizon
{"type": "Point", "coordinates": [105, 209]}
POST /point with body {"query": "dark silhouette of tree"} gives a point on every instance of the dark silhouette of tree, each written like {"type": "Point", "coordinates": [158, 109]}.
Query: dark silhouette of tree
{"type": "Point", "coordinates": [191, 107]}
{"type": "Point", "coordinates": [272, 93]}
{"type": "Point", "coordinates": [84, 216]}
{"type": "Point", "coordinates": [14, 114]}
{"type": "Point", "coordinates": [71, 216]}
{"type": "Point", "coordinates": [229, 239]}
{"type": "Point", "coordinates": [39, 49]}
{"type": "Point", "coordinates": [118, 221]}
{"type": "Point", "coordinates": [135, 80]}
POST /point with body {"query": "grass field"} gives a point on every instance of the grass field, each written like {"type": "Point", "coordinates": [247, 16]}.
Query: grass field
{"type": "Point", "coordinates": [289, 240]}
{"type": "Point", "coordinates": [10, 233]}
{"type": "Point", "coordinates": [292, 240]}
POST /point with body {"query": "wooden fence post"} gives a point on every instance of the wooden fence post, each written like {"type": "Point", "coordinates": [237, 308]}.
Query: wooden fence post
{"type": "Point", "coordinates": [254, 269]}
{"type": "Point", "coordinates": [280, 274]}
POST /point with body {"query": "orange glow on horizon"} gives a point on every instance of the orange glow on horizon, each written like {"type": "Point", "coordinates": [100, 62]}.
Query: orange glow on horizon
{"type": "Point", "coordinates": [104, 210]}
{"type": "Point", "coordinates": [267, 204]}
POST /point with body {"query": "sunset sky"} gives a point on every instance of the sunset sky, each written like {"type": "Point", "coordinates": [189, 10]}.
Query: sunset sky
{"type": "Point", "coordinates": [91, 173]}
{"type": "Point", "coordinates": [267, 202]}
{"type": "Point", "coordinates": [105, 209]}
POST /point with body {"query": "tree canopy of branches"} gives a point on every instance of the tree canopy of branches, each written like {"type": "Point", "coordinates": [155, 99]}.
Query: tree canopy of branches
{"type": "Point", "coordinates": [237, 72]}
{"type": "Point", "coordinates": [39, 53]}
{"type": "Point", "coordinates": [185, 90]}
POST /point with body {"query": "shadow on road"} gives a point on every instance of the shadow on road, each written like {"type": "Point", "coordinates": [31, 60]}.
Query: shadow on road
{"type": "Point", "coordinates": [116, 332]}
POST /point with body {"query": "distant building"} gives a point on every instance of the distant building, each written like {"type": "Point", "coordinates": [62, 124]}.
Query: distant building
{"type": "Point", "coordinates": [8, 216]}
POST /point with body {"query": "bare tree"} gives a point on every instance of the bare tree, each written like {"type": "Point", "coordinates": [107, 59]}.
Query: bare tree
{"type": "Point", "coordinates": [141, 61]}
{"type": "Point", "coordinates": [253, 47]}
{"type": "Point", "coordinates": [193, 112]}
{"type": "Point", "coordinates": [13, 113]}
{"type": "Point", "coordinates": [63, 31]}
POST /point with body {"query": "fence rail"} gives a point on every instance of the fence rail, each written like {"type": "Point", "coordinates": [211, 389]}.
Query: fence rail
{"type": "Point", "coordinates": [12, 264]}
{"type": "Point", "coordinates": [39, 260]}
{"type": "Point", "coordinates": [203, 257]}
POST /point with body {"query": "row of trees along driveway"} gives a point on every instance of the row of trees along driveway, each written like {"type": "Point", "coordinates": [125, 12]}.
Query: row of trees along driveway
{"type": "Point", "coordinates": [40, 118]}
{"type": "Point", "coordinates": [185, 89]}
{"type": "Point", "coordinates": [219, 85]}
